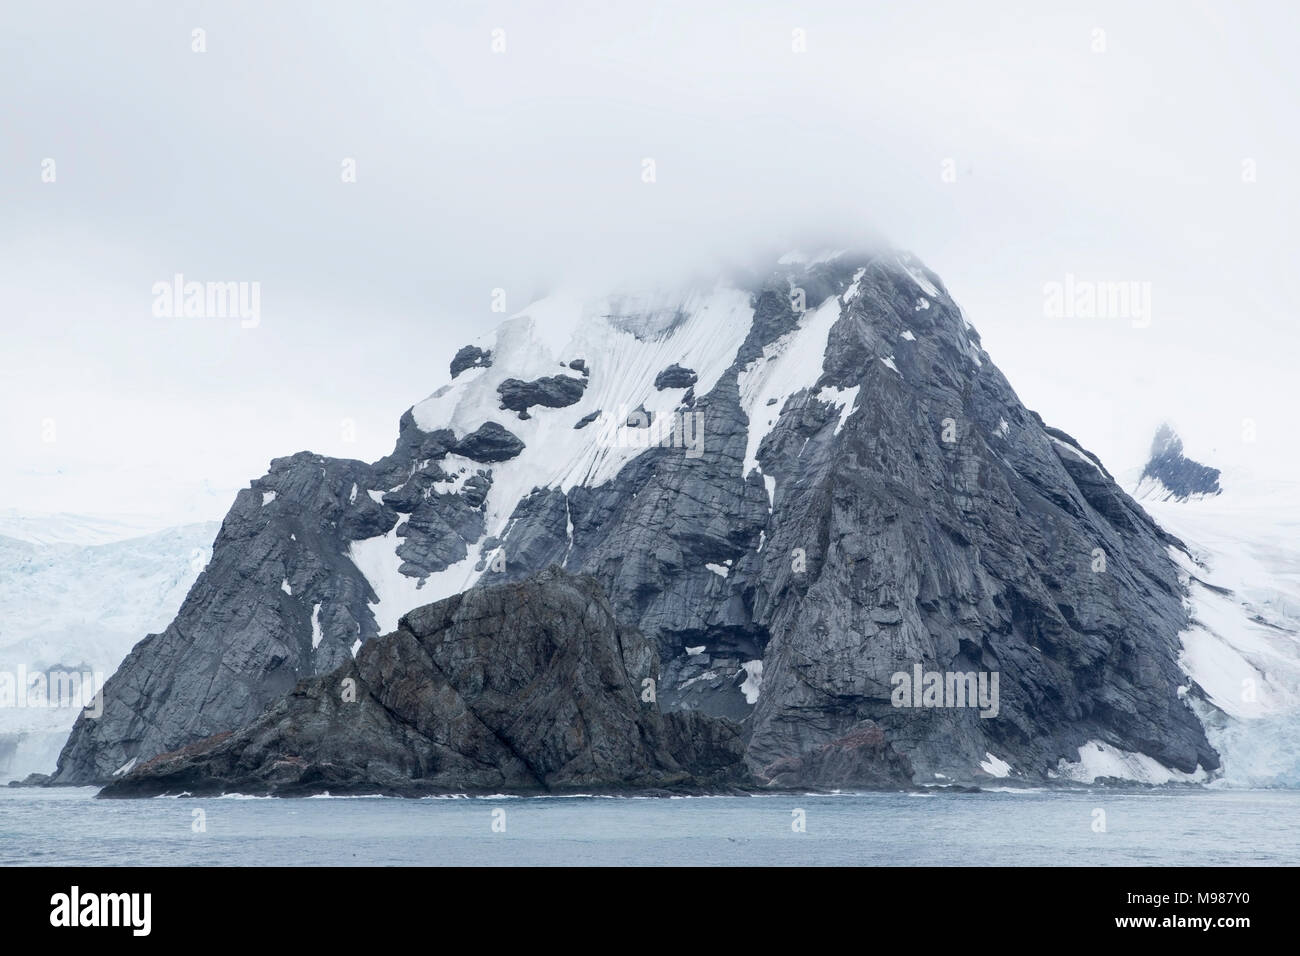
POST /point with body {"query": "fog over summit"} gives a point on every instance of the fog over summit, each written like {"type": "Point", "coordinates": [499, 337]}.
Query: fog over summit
{"type": "Point", "coordinates": [380, 173]}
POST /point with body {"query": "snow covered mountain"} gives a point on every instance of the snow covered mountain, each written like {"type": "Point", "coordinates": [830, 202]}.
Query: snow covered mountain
{"type": "Point", "coordinates": [802, 484]}
{"type": "Point", "coordinates": [76, 593]}
{"type": "Point", "coordinates": [46, 528]}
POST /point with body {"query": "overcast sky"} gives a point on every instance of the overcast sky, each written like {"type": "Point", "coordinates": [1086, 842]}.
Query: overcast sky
{"type": "Point", "coordinates": [1162, 149]}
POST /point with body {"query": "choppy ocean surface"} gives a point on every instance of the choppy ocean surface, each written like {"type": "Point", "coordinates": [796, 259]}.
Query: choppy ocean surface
{"type": "Point", "coordinates": [1186, 827]}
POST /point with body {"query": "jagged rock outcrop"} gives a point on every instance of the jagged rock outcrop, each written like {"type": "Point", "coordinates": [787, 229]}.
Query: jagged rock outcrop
{"type": "Point", "coordinates": [471, 356]}
{"type": "Point", "coordinates": [528, 687]}
{"type": "Point", "coordinates": [1168, 476]}
{"type": "Point", "coordinates": [490, 443]}
{"type": "Point", "coordinates": [553, 391]}
{"type": "Point", "coordinates": [850, 489]}
{"type": "Point", "coordinates": [290, 592]}
{"type": "Point", "coordinates": [674, 376]}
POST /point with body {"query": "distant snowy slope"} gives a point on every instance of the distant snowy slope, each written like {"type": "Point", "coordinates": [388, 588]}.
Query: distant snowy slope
{"type": "Point", "coordinates": [1243, 649]}
{"type": "Point", "coordinates": [62, 528]}
{"type": "Point", "coordinates": [76, 594]}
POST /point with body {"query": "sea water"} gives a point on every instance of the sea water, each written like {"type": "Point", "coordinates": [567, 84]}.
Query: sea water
{"type": "Point", "coordinates": [1098, 826]}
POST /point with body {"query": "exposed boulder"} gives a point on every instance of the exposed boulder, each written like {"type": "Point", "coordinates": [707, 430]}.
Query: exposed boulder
{"type": "Point", "coordinates": [554, 391]}
{"type": "Point", "coordinates": [674, 376]}
{"type": "Point", "coordinates": [489, 443]}
{"type": "Point", "coordinates": [471, 356]}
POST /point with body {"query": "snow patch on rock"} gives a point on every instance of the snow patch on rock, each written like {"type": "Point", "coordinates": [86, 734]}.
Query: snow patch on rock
{"type": "Point", "coordinates": [1098, 759]}
{"type": "Point", "coordinates": [753, 683]}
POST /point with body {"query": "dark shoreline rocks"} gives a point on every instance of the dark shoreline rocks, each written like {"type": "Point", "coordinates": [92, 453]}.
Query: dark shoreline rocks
{"type": "Point", "coordinates": [32, 780]}
{"type": "Point", "coordinates": [861, 759]}
{"type": "Point", "coordinates": [528, 687]}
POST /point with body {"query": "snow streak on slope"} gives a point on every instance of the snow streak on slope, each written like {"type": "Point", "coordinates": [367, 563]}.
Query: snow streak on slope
{"type": "Point", "coordinates": [376, 558]}
{"type": "Point", "coordinates": [1243, 649]}
{"type": "Point", "coordinates": [626, 341]}
{"type": "Point", "coordinates": [1153, 489]}
{"type": "Point", "coordinates": [790, 364]}
{"type": "Point", "coordinates": [1098, 759]}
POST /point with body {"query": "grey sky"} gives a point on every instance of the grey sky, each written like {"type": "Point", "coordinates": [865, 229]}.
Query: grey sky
{"type": "Point", "coordinates": [478, 170]}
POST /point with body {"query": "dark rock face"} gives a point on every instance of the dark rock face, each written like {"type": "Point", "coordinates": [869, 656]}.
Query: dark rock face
{"type": "Point", "coordinates": [282, 598]}
{"type": "Point", "coordinates": [555, 391]}
{"type": "Point", "coordinates": [674, 376]}
{"type": "Point", "coordinates": [987, 546]}
{"type": "Point", "coordinates": [170, 689]}
{"type": "Point", "coordinates": [587, 419]}
{"type": "Point", "coordinates": [940, 523]}
{"type": "Point", "coordinates": [530, 687]}
{"type": "Point", "coordinates": [861, 759]}
{"type": "Point", "coordinates": [1180, 477]}
{"type": "Point", "coordinates": [489, 443]}
{"type": "Point", "coordinates": [470, 356]}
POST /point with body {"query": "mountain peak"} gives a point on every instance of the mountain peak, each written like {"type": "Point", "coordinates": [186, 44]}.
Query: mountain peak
{"type": "Point", "coordinates": [1169, 475]}
{"type": "Point", "coordinates": [1166, 442]}
{"type": "Point", "coordinates": [800, 482]}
